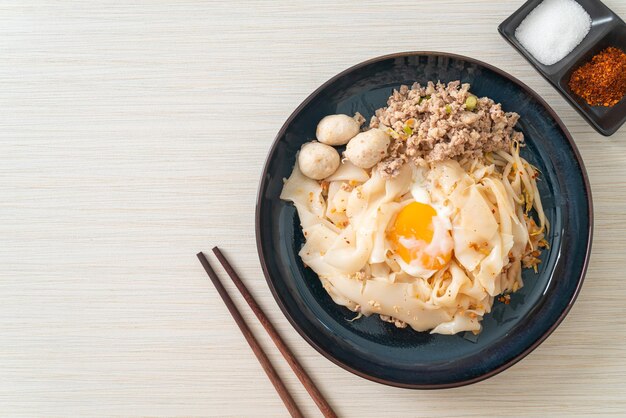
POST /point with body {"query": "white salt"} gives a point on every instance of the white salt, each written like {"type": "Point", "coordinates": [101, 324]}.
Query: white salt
{"type": "Point", "coordinates": [553, 29]}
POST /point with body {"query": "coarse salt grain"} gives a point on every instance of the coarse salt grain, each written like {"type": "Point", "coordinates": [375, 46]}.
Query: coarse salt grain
{"type": "Point", "coordinates": [553, 29]}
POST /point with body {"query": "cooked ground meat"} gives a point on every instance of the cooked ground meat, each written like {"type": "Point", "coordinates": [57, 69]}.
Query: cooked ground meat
{"type": "Point", "coordinates": [433, 123]}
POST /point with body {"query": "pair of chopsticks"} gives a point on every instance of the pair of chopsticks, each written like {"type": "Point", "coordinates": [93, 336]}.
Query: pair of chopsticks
{"type": "Point", "coordinates": [301, 374]}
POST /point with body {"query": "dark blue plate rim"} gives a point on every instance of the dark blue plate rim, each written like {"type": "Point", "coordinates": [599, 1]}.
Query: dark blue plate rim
{"type": "Point", "coordinates": [321, 349]}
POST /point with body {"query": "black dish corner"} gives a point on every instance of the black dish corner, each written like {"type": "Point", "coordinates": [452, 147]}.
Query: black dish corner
{"type": "Point", "coordinates": [607, 29]}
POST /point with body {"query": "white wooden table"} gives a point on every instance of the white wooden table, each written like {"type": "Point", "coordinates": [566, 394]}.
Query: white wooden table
{"type": "Point", "coordinates": [132, 135]}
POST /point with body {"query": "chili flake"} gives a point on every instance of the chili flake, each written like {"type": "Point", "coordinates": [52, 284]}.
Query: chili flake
{"type": "Point", "coordinates": [602, 81]}
{"type": "Point", "coordinates": [506, 299]}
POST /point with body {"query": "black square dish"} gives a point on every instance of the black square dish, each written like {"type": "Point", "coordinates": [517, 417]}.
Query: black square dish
{"type": "Point", "coordinates": [607, 29]}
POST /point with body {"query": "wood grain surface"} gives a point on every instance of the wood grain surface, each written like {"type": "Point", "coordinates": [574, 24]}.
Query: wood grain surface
{"type": "Point", "coordinates": [132, 136]}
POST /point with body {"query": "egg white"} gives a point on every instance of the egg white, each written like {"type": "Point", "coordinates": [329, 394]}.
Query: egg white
{"type": "Point", "coordinates": [442, 224]}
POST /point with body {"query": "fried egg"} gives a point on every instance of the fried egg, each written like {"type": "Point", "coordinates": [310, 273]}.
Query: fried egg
{"type": "Point", "coordinates": [420, 235]}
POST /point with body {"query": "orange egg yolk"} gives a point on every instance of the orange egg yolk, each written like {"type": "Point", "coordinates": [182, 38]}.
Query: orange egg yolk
{"type": "Point", "coordinates": [414, 224]}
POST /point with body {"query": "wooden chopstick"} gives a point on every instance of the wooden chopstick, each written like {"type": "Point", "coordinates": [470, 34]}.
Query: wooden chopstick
{"type": "Point", "coordinates": [299, 371]}
{"type": "Point", "coordinates": [254, 344]}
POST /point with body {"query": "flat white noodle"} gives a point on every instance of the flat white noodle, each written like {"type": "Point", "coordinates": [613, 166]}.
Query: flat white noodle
{"type": "Point", "coordinates": [340, 198]}
{"type": "Point", "coordinates": [457, 324]}
{"type": "Point", "coordinates": [490, 268]}
{"type": "Point", "coordinates": [392, 299]}
{"type": "Point", "coordinates": [380, 270]}
{"type": "Point", "coordinates": [450, 291]}
{"type": "Point", "coordinates": [492, 265]}
{"type": "Point", "coordinates": [337, 200]}
{"type": "Point", "coordinates": [351, 249]}
{"type": "Point", "coordinates": [385, 213]}
{"type": "Point", "coordinates": [473, 226]}
{"type": "Point", "coordinates": [303, 191]}
{"type": "Point", "coordinates": [337, 297]}
{"type": "Point", "coordinates": [448, 174]}
{"type": "Point", "coordinates": [346, 241]}
{"type": "Point", "coordinates": [319, 240]}
{"type": "Point", "coordinates": [348, 171]}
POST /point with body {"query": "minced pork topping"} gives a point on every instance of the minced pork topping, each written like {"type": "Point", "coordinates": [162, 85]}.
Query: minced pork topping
{"type": "Point", "coordinates": [439, 121]}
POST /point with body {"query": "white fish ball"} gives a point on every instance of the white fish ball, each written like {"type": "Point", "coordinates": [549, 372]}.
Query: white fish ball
{"type": "Point", "coordinates": [336, 129]}
{"type": "Point", "coordinates": [317, 160]}
{"type": "Point", "coordinates": [367, 148]}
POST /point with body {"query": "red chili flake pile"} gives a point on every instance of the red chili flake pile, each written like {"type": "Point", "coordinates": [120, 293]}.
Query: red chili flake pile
{"type": "Point", "coordinates": [602, 81]}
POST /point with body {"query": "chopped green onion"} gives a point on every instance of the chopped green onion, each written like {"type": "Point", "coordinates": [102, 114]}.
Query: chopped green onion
{"type": "Point", "coordinates": [424, 98]}
{"type": "Point", "coordinates": [392, 133]}
{"type": "Point", "coordinates": [448, 109]}
{"type": "Point", "coordinates": [470, 103]}
{"type": "Point", "coordinates": [407, 130]}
